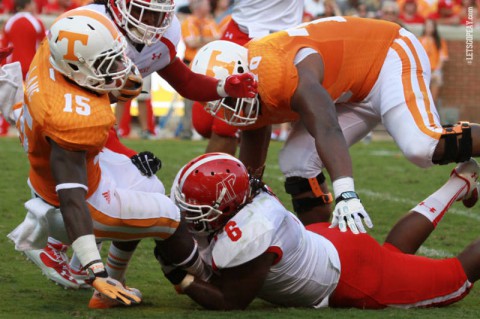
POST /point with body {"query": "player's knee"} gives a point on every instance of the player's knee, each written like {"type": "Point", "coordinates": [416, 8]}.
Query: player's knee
{"type": "Point", "coordinates": [457, 144]}
{"type": "Point", "coordinates": [310, 202]}
{"type": "Point", "coordinates": [418, 155]}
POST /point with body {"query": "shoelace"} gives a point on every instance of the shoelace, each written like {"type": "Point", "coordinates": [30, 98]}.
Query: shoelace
{"type": "Point", "coordinates": [60, 254]}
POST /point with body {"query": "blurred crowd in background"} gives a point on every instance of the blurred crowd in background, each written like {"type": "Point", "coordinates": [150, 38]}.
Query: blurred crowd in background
{"type": "Point", "coordinates": [204, 21]}
{"type": "Point", "coordinates": [450, 12]}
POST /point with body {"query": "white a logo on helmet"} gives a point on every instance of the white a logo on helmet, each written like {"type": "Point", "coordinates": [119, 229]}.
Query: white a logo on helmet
{"type": "Point", "coordinates": [225, 192]}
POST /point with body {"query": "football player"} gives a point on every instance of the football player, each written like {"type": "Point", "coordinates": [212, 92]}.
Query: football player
{"type": "Point", "coordinates": [152, 34]}
{"type": "Point", "coordinates": [257, 248]}
{"type": "Point", "coordinates": [336, 78]}
{"type": "Point", "coordinates": [63, 127]}
{"type": "Point", "coordinates": [249, 19]}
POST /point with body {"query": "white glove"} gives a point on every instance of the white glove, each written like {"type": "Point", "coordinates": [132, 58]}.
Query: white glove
{"type": "Point", "coordinates": [349, 211]}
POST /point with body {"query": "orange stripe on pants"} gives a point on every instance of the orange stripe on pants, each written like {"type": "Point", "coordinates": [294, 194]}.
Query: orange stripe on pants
{"type": "Point", "coordinates": [139, 227]}
{"type": "Point", "coordinates": [410, 98]}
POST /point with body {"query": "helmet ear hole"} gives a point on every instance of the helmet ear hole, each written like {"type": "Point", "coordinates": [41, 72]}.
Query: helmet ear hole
{"type": "Point", "coordinates": [73, 66]}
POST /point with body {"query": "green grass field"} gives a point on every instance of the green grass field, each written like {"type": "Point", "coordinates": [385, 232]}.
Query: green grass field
{"type": "Point", "coordinates": [387, 183]}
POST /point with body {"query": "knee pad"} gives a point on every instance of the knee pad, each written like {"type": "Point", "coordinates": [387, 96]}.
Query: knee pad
{"type": "Point", "coordinates": [297, 185]}
{"type": "Point", "coordinates": [456, 150]}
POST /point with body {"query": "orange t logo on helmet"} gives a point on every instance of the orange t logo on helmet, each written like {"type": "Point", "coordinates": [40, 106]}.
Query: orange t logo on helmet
{"type": "Point", "coordinates": [214, 62]}
{"type": "Point", "coordinates": [71, 38]}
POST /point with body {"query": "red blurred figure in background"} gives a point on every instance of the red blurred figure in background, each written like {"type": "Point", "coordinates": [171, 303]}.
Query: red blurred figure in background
{"type": "Point", "coordinates": [23, 31]}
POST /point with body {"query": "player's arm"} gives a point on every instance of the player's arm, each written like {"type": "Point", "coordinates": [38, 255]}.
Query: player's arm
{"type": "Point", "coordinates": [70, 173]}
{"type": "Point", "coordinates": [235, 288]}
{"type": "Point", "coordinates": [317, 112]}
{"type": "Point", "coordinates": [199, 87]}
{"type": "Point", "coordinates": [254, 148]}
{"type": "Point", "coordinates": [146, 162]}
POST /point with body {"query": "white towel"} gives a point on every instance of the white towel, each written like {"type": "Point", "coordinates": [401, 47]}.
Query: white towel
{"type": "Point", "coordinates": [42, 220]}
{"type": "Point", "coordinates": [11, 89]}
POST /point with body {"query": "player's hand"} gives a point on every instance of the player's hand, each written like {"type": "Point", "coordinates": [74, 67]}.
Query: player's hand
{"type": "Point", "coordinates": [130, 90]}
{"type": "Point", "coordinates": [349, 212]}
{"type": "Point", "coordinates": [239, 86]}
{"type": "Point", "coordinates": [147, 163]}
{"type": "Point", "coordinates": [113, 289]}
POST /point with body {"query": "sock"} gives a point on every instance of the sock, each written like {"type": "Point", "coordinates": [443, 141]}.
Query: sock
{"type": "Point", "coordinates": [436, 205]}
{"type": "Point", "coordinates": [117, 262]}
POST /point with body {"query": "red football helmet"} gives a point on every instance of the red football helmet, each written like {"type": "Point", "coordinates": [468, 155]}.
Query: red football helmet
{"type": "Point", "coordinates": [210, 189]}
{"type": "Point", "coordinates": [144, 21]}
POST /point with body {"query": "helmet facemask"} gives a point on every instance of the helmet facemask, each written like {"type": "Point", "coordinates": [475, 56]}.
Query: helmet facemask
{"type": "Point", "coordinates": [221, 59]}
{"type": "Point", "coordinates": [145, 21]}
{"type": "Point", "coordinates": [235, 111]}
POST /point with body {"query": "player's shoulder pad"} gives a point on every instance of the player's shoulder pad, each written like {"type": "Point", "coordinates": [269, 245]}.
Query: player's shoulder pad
{"type": "Point", "coordinates": [174, 31]}
{"type": "Point", "coordinates": [249, 233]}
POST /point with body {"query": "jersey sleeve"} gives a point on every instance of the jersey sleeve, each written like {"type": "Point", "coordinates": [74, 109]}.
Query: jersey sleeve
{"type": "Point", "coordinates": [242, 240]}
{"type": "Point", "coordinates": [277, 78]}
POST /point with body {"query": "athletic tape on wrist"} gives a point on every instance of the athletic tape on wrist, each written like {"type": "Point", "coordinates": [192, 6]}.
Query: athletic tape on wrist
{"type": "Point", "coordinates": [343, 184]}
{"type": "Point", "coordinates": [221, 88]}
{"type": "Point", "coordinates": [70, 186]}
{"type": "Point", "coordinates": [86, 249]}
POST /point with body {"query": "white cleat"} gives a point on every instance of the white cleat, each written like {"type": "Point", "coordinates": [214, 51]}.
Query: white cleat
{"type": "Point", "coordinates": [53, 261]}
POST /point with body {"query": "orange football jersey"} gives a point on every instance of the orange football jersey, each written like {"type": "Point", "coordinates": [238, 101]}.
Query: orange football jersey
{"type": "Point", "coordinates": [58, 109]}
{"type": "Point", "coordinates": [353, 51]}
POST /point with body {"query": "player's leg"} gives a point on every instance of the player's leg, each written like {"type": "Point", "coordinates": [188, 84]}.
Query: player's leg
{"type": "Point", "coordinates": [412, 230]}
{"type": "Point", "coordinates": [374, 276]}
{"type": "Point", "coordinates": [223, 139]}
{"type": "Point", "coordinates": [302, 167]}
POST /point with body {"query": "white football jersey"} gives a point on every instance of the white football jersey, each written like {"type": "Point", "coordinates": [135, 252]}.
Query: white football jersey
{"type": "Point", "coordinates": [150, 58]}
{"type": "Point", "coordinates": [307, 267]}
{"type": "Point", "coordinates": [259, 17]}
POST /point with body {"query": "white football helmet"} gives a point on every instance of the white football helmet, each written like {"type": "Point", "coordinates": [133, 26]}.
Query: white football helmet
{"type": "Point", "coordinates": [210, 190]}
{"type": "Point", "coordinates": [87, 48]}
{"type": "Point", "coordinates": [144, 21]}
{"type": "Point", "coordinates": [220, 59]}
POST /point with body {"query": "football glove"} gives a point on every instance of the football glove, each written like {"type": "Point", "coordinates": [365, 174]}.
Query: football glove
{"type": "Point", "coordinates": [130, 90]}
{"type": "Point", "coordinates": [111, 288]}
{"type": "Point", "coordinates": [238, 86]}
{"type": "Point", "coordinates": [349, 212]}
{"type": "Point", "coordinates": [147, 163]}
